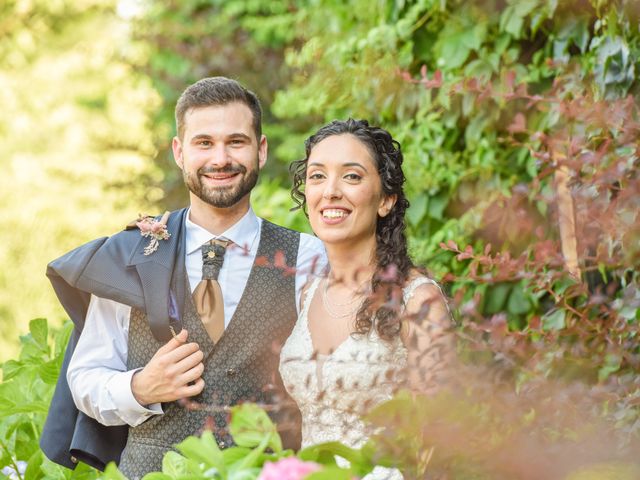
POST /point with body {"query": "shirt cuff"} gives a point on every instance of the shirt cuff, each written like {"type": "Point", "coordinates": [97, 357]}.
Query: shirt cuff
{"type": "Point", "coordinates": [119, 388]}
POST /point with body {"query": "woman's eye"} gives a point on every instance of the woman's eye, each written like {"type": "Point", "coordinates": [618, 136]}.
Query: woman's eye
{"type": "Point", "coordinates": [352, 176]}
{"type": "Point", "coordinates": [315, 176]}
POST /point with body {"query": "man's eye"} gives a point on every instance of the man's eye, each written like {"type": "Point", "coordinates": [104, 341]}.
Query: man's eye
{"type": "Point", "coordinates": [205, 143]}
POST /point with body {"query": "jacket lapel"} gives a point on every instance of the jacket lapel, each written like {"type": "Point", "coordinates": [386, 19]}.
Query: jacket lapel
{"type": "Point", "coordinates": [160, 278]}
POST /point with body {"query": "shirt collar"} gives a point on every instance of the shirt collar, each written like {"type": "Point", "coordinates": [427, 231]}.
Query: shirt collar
{"type": "Point", "coordinates": [243, 233]}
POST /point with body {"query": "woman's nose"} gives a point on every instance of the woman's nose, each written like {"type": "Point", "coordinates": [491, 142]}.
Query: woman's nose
{"type": "Point", "coordinates": [331, 190]}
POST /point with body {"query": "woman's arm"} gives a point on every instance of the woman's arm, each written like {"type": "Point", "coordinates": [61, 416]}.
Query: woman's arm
{"type": "Point", "coordinates": [428, 338]}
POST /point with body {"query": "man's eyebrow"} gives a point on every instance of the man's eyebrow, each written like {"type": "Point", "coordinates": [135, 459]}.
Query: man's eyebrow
{"type": "Point", "coordinates": [240, 135]}
{"type": "Point", "coordinates": [201, 136]}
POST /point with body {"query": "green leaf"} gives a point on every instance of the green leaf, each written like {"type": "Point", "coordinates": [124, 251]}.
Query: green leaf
{"type": "Point", "coordinates": [53, 471]}
{"type": "Point", "coordinates": [10, 369]}
{"type": "Point", "coordinates": [437, 204]}
{"type": "Point", "coordinates": [496, 297]}
{"type": "Point", "coordinates": [84, 472]}
{"type": "Point", "coordinates": [331, 473]}
{"type": "Point", "coordinates": [204, 449]}
{"type": "Point", "coordinates": [234, 454]}
{"type": "Point", "coordinates": [250, 424]}
{"type": "Point", "coordinates": [174, 464]}
{"type": "Point", "coordinates": [158, 476]}
{"type": "Point", "coordinates": [253, 458]}
{"type": "Point", "coordinates": [518, 301]}
{"type": "Point", "coordinates": [50, 371]}
{"type": "Point", "coordinates": [605, 371]}
{"type": "Point", "coordinates": [112, 473]}
{"type": "Point", "coordinates": [248, 474]}
{"type": "Point", "coordinates": [555, 320]}
{"type": "Point", "coordinates": [510, 22]}
{"type": "Point", "coordinates": [417, 210]}
{"type": "Point", "coordinates": [61, 339]}
{"type": "Point", "coordinates": [33, 471]}
{"type": "Point", "coordinates": [39, 331]}
{"type": "Point", "coordinates": [325, 452]}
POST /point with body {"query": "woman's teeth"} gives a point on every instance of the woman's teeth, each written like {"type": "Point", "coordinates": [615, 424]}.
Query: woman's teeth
{"type": "Point", "coordinates": [334, 213]}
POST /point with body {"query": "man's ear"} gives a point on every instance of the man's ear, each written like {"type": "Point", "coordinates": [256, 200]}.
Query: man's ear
{"type": "Point", "coordinates": [176, 146]}
{"type": "Point", "coordinates": [386, 204]}
{"type": "Point", "coordinates": [263, 149]}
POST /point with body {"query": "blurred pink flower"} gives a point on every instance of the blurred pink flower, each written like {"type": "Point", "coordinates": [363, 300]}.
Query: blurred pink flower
{"type": "Point", "coordinates": [290, 468]}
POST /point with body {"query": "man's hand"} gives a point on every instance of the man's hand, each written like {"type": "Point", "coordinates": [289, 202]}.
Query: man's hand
{"type": "Point", "coordinates": [168, 374]}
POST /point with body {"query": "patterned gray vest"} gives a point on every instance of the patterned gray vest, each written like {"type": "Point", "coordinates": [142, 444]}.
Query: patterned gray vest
{"type": "Point", "coordinates": [242, 366]}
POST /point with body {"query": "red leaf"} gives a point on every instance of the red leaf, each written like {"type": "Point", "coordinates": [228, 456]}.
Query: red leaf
{"type": "Point", "coordinates": [261, 261]}
{"type": "Point", "coordinates": [510, 80]}
{"type": "Point", "coordinates": [518, 125]}
{"type": "Point", "coordinates": [279, 260]}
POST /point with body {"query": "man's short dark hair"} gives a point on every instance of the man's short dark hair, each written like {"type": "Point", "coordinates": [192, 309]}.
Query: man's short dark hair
{"type": "Point", "coordinates": [217, 91]}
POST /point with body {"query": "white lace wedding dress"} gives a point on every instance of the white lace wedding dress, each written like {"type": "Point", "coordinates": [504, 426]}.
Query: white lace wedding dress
{"type": "Point", "coordinates": [333, 391]}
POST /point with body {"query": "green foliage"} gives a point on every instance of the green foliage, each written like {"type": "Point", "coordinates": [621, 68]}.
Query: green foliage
{"type": "Point", "coordinates": [25, 393]}
{"type": "Point", "coordinates": [257, 442]}
{"type": "Point", "coordinates": [74, 137]}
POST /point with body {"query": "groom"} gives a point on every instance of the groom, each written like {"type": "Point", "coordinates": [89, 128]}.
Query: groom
{"type": "Point", "coordinates": [187, 306]}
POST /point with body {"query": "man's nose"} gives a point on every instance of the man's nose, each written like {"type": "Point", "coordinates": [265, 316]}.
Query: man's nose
{"type": "Point", "coordinates": [219, 156]}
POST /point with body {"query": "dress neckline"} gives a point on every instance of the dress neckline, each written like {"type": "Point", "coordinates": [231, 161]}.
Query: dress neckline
{"type": "Point", "coordinates": [407, 293]}
{"type": "Point", "coordinates": [305, 322]}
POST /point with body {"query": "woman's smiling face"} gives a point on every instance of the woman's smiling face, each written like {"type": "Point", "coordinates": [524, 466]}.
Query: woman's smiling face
{"type": "Point", "coordinates": [343, 191]}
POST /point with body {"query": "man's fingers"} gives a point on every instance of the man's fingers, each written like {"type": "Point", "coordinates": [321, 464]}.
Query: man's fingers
{"type": "Point", "coordinates": [190, 361]}
{"type": "Point", "coordinates": [180, 353]}
{"type": "Point", "coordinates": [192, 374]}
{"type": "Point", "coordinates": [192, 390]}
{"type": "Point", "coordinates": [175, 342]}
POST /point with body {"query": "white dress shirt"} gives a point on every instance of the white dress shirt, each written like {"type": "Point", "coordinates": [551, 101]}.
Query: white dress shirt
{"type": "Point", "coordinates": [97, 375]}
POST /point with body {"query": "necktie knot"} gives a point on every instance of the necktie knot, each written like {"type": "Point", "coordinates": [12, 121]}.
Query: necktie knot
{"type": "Point", "coordinates": [212, 258]}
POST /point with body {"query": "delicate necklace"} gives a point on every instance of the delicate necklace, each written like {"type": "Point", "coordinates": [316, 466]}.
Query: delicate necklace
{"type": "Point", "coordinates": [327, 304]}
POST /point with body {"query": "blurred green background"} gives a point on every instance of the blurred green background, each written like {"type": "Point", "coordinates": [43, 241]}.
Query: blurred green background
{"type": "Point", "coordinates": [88, 89]}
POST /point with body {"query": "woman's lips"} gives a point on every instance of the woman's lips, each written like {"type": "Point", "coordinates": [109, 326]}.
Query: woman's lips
{"type": "Point", "coordinates": [334, 215]}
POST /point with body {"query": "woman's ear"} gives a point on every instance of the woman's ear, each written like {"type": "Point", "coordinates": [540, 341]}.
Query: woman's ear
{"type": "Point", "coordinates": [386, 204]}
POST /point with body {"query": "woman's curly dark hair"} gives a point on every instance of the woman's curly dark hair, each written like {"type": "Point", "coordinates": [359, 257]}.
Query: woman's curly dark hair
{"type": "Point", "coordinates": [393, 264]}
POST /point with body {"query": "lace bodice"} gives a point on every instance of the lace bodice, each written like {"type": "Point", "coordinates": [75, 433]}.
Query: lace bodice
{"type": "Point", "coordinates": [332, 391]}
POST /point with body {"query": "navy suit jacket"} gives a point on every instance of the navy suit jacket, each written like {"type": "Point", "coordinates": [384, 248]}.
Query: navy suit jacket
{"type": "Point", "coordinates": [117, 269]}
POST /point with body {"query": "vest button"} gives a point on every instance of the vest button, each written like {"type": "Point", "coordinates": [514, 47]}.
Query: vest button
{"type": "Point", "coordinates": [231, 372]}
{"type": "Point", "coordinates": [221, 444]}
{"type": "Point", "coordinates": [74, 459]}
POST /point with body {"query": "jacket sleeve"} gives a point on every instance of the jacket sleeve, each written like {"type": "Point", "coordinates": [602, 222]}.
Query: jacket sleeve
{"type": "Point", "coordinates": [68, 435]}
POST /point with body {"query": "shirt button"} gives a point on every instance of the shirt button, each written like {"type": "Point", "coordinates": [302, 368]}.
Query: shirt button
{"type": "Point", "coordinates": [231, 372]}
{"type": "Point", "coordinates": [221, 444]}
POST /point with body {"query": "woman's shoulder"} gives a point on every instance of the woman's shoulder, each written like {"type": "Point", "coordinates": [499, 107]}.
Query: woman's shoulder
{"type": "Point", "coordinates": [420, 289]}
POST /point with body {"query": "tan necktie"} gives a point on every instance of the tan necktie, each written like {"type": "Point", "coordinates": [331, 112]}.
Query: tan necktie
{"type": "Point", "coordinates": [208, 296]}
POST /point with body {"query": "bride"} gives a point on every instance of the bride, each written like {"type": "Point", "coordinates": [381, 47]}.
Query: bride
{"type": "Point", "coordinates": [353, 344]}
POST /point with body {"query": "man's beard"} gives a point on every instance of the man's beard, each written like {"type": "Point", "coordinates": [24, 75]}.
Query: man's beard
{"type": "Point", "coordinates": [226, 196]}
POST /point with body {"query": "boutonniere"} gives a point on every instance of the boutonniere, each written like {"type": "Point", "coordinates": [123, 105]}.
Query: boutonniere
{"type": "Point", "coordinates": [155, 229]}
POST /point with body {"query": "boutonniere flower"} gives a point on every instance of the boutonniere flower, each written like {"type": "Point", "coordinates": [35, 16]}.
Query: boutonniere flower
{"type": "Point", "coordinates": [155, 229]}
